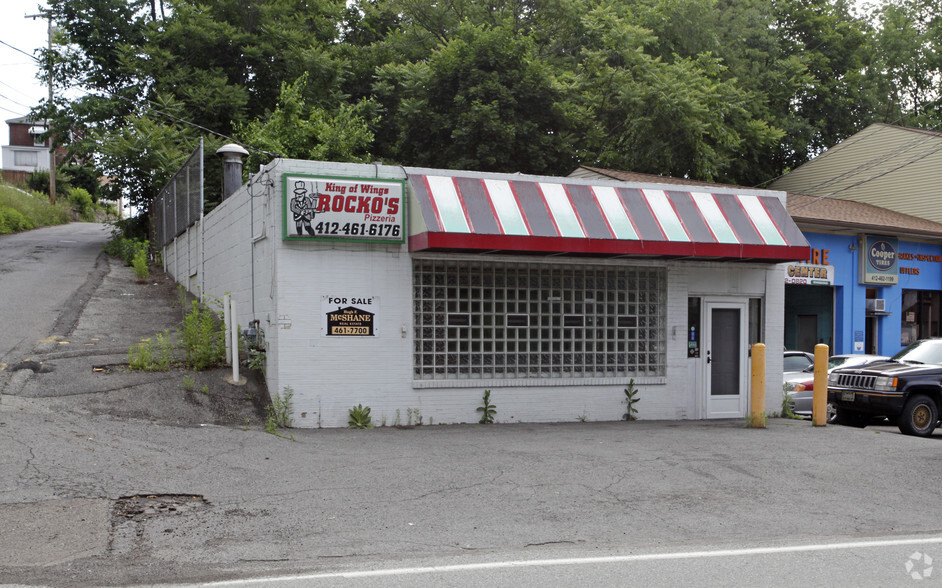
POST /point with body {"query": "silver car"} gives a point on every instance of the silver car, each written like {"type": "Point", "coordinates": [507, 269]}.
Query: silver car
{"type": "Point", "coordinates": [800, 387]}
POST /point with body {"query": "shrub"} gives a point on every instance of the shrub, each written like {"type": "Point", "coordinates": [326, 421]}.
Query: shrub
{"type": "Point", "coordinates": [82, 203]}
{"type": "Point", "coordinates": [39, 181]}
{"type": "Point", "coordinates": [203, 338]}
{"type": "Point", "coordinates": [12, 220]}
{"type": "Point", "coordinates": [139, 260]}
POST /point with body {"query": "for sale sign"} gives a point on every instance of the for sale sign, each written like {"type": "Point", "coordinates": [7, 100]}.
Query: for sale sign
{"type": "Point", "coordinates": [343, 209]}
{"type": "Point", "coordinates": [349, 316]}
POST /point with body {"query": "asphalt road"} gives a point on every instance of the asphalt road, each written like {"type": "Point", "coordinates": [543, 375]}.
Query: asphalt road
{"type": "Point", "coordinates": [40, 272]}
{"type": "Point", "coordinates": [111, 478]}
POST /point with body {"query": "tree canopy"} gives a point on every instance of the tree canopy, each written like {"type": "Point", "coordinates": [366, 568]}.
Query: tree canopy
{"type": "Point", "coordinates": [736, 91]}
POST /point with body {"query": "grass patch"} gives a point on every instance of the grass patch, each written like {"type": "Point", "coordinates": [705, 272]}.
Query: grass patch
{"type": "Point", "coordinates": [21, 210]}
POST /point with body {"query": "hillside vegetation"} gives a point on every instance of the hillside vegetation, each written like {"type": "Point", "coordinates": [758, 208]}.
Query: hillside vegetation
{"type": "Point", "coordinates": [21, 210]}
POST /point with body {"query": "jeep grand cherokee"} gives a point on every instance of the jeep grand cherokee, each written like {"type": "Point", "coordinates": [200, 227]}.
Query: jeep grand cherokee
{"type": "Point", "coordinates": [906, 389]}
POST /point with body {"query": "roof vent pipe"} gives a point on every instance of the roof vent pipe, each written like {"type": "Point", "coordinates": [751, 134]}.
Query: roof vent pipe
{"type": "Point", "coordinates": [232, 156]}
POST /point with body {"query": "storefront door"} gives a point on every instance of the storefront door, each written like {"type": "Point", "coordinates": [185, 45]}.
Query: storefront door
{"type": "Point", "coordinates": [726, 359]}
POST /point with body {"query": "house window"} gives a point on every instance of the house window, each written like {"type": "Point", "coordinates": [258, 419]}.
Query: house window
{"type": "Point", "coordinates": [38, 141]}
{"type": "Point", "coordinates": [25, 158]}
{"type": "Point", "coordinates": [496, 320]}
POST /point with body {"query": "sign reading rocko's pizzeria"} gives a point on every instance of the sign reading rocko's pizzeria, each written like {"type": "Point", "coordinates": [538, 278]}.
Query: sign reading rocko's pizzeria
{"type": "Point", "coordinates": [879, 260]}
{"type": "Point", "coordinates": [343, 209]}
{"type": "Point", "coordinates": [349, 316]}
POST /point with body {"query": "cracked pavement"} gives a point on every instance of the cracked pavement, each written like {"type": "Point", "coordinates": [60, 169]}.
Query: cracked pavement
{"type": "Point", "coordinates": [113, 478]}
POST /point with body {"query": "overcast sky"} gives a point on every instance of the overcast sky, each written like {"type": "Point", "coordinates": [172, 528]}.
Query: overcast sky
{"type": "Point", "coordinates": [19, 88]}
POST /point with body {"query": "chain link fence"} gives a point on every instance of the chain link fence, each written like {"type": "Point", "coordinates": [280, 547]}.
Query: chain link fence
{"type": "Point", "coordinates": [180, 202]}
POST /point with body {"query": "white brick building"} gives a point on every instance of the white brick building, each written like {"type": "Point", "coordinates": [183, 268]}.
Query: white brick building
{"type": "Point", "coordinates": [411, 290]}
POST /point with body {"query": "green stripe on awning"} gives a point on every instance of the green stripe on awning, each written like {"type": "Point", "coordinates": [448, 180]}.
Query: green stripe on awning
{"type": "Point", "coordinates": [505, 205]}
{"type": "Point", "coordinates": [448, 203]}
{"type": "Point", "coordinates": [661, 206]}
{"type": "Point", "coordinates": [761, 219]}
{"type": "Point", "coordinates": [561, 208]}
{"type": "Point", "coordinates": [714, 217]}
{"type": "Point", "coordinates": [614, 211]}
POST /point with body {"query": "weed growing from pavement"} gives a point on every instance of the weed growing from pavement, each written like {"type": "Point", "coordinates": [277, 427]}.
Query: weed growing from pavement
{"type": "Point", "coordinates": [413, 417]}
{"type": "Point", "coordinates": [139, 262]}
{"type": "Point", "coordinates": [631, 398]}
{"type": "Point", "coordinates": [279, 412]}
{"type": "Point", "coordinates": [256, 361]}
{"type": "Point", "coordinates": [360, 417]}
{"type": "Point", "coordinates": [757, 420]}
{"type": "Point", "coordinates": [189, 384]}
{"type": "Point", "coordinates": [788, 404]}
{"type": "Point", "coordinates": [488, 411]}
{"type": "Point", "coordinates": [203, 338]}
{"type": "Point", "coordinates": [141, 356]}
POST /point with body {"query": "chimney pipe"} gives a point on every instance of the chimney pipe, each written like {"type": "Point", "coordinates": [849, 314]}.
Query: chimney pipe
{"type": "Point", "coordinates": [232, 156]}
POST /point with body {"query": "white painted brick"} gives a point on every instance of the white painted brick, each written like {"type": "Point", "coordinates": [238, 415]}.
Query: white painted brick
{"type": "Point", "coordinates": [329, 375]}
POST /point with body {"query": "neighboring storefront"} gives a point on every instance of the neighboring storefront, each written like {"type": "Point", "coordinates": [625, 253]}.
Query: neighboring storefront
{"type": "Point", "coordinates": [867, 293]}
{"type": "Point", "coordinates": [412, 291]}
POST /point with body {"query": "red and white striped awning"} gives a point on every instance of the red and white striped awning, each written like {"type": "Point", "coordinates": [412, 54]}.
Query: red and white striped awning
{"type": "Point", "coordinates": [498, 212]}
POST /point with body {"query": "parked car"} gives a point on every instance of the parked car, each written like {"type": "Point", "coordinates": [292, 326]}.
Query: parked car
{"type": "Point", "coordinates": [800, 387]}
{"type": "Point", "coordinates": [796, 362]}
{"type": "Point", "coordinates": [906, 389]}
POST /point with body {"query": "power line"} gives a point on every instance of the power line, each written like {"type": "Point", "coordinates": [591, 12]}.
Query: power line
{"type": "Point", "coordinates": [14, 101]}
{"type": "Point", "coordinates": [31, 56]}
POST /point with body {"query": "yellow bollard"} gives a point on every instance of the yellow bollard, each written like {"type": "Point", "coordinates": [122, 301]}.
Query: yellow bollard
{"type": "Point", "coordinates": [757, 404]}
{"type": "Point", "coordinates": [819, 404]}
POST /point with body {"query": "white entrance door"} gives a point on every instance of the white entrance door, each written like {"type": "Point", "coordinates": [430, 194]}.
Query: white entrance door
{"type": "Point", "coordinates": [726, 359]}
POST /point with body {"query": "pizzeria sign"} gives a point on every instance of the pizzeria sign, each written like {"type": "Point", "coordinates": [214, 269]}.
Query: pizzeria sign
{"type": "Point", "coordinates": [322, 208]}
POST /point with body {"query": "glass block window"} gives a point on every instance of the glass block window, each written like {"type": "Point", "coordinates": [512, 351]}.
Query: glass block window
{"type": "Point", "coordinates": [496, 320]}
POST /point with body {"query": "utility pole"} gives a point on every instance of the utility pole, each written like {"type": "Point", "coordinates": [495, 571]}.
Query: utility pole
{"type": "Point", "coordinates": [52, 143]}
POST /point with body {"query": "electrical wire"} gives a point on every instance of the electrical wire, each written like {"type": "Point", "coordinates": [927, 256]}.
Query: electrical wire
{"type": "Point", "coordinates": [33, 57]}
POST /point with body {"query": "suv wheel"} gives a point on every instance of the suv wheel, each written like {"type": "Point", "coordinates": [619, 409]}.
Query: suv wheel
{"type": "Point", "coordinates": [919, 417]}
{"type": "Point", "coordinates": [831, 413]}
{"type": "Point", "coordinates": [849, 418]}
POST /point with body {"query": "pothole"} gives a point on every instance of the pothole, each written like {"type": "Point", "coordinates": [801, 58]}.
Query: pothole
{"type": "Point", "coordinates": [145, 506]}
{"type": "Point", "coordinates": [32, 365]}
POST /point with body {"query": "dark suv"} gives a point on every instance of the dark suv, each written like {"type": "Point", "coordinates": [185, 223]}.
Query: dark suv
{"type": "Point", "coordinates": [906, 389]}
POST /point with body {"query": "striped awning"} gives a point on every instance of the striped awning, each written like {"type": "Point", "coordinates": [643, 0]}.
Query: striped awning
{"type": "Point", "coordinates": [566, 215]}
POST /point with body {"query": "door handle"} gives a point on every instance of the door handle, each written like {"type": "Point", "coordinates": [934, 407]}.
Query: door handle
{"type": "Point", "coordinates": [709, 359]}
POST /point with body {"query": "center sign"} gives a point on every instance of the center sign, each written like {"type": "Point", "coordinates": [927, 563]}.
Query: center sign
{"type": "Point", "coordinates": [343, 209]}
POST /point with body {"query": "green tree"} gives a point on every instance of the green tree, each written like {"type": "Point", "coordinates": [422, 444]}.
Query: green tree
{"type": "Point", "coordinates": [484, 100]}
{"type": "Point", "coordinates": [678, 117]}
{"type": "Point", "coordinates": [908, 47]}
{"type": "Point", "coordinates": [300, 130]}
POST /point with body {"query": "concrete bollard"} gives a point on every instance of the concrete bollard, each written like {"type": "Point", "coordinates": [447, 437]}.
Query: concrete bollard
{"type": "Point", "coordinates": [757, 400]}
{"type": "Point", "coordinates": [819, 403]}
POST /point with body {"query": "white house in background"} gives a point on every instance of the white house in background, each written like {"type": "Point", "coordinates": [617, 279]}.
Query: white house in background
{"type": "Point", "coordinates": [27, 151]}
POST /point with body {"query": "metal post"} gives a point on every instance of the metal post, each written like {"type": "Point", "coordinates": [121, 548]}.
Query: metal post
{"type": "Point", "coordinates": [819, 402]}
{"type": "Point", "coordinates": [757, 404]}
